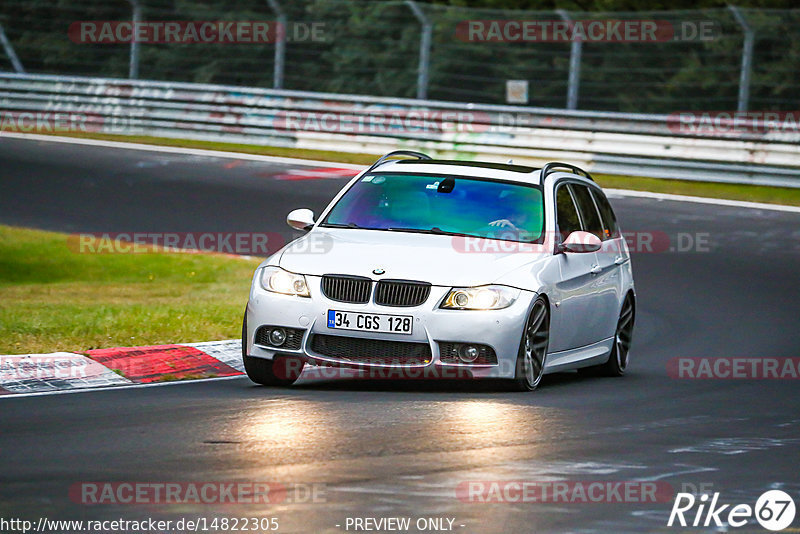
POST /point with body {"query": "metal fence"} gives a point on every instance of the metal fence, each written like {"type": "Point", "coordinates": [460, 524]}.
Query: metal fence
{"type": "Point", "coordinates": [603, 142]}
{"type": "Point", "coordinates": [713, 59]}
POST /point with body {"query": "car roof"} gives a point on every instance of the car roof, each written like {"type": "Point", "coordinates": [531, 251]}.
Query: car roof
{"type": "Point", "coordinates": [482, 169]}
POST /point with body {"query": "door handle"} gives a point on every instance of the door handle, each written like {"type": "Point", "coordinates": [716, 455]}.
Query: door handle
{"type": "Point", "coordinates": [620, 260]}
{"type": "Point", "coordinates": [596, 269]}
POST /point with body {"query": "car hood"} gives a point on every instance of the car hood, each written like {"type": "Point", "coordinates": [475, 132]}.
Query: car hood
{"type": "Point", "coordinates": [439, 259]}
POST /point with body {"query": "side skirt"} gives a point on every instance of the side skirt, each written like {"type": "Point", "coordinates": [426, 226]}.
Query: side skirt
{"type": "Point", "coordinates": [585, 356]}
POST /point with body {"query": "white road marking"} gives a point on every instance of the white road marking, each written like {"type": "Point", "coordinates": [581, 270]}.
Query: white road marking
{"type": "Point", "coordinates": [704, 200]}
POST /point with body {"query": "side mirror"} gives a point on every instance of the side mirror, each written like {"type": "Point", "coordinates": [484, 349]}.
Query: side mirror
{"type": "Point", "coordinates": [302, 219]}
{"type": "Point", "coordinates": [581, 242]}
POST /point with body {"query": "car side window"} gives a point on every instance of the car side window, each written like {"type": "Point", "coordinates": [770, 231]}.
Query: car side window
{"type": "Point", "coordinates": [566, 214]}
{"type": "Point", "coordinates": [610, 226]}
{"type": "Point", "coordinates": [588, 211]}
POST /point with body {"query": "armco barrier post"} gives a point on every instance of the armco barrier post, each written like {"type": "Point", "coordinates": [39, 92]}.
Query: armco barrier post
{"type": "Point", "coordinates": [136, 18]}
{"type": "Point", "coordinates": [12, 56]}
{"type": "Point", "coordinates": [747, 59]}
{"type": "Point", "coordinates": [280, 44]}
{"type": "Point", "coordinates": [424, 49]}
{"type": "Point", "coordinates": [575, 51]}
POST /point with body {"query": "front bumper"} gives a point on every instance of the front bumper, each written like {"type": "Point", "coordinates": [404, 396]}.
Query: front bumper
{"type": "Point", "coordinates": [499, 329]}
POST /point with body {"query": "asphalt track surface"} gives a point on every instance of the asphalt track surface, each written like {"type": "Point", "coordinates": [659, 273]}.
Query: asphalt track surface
{"type": "Point", "coordinates": [388, 449]}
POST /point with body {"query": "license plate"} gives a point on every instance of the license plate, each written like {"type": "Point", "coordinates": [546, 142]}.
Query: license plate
{"type": "Point", "coordinates": [370, 322]}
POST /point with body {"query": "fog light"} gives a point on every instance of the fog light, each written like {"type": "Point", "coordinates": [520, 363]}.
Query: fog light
{"type": "Point", "coordinates": [469, 353]}
{"type": "Point", "coordinates": [277, 337]}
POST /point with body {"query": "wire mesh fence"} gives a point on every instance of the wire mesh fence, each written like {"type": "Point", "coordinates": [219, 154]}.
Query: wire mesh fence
{"type": "Point", "coordinates": [712, 59]}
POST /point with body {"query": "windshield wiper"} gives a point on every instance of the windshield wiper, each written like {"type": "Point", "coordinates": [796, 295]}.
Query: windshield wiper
{"type": "Point", "coordinates": [438, 231]}
{"type": "Point", "coordinates": [340, 225]}
{"type": "Point", "coordinates": [435, 231]}
{"type": "Point", "coordinates": [412, 230]}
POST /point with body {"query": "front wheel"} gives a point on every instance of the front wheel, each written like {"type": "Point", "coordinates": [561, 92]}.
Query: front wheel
{"type": "Point", "coordinates": [533, 348]}
{"type": "Point", "coordinates": [279, 371]}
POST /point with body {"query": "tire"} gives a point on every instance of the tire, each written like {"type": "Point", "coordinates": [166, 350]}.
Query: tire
{"type": "Point", "coordinates": [279, 371]}
{"type": "Point", "coordinates": [618, 358]}
{"type": "Point", "coordinates": [533, 348]}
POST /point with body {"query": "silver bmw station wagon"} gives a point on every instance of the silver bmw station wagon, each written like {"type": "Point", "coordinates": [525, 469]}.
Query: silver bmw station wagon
{"type": "Point", "coordinates": [448, 268]}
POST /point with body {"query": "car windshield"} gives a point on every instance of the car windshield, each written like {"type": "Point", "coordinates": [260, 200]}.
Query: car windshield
{"type": "Point", "coordinates": [441, 205]}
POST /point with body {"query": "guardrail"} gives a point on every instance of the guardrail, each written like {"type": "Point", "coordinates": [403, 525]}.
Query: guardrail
{"type": "Point", "coordinates": [603, 142]}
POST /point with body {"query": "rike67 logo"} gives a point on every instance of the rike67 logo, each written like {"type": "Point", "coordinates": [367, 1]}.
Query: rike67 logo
{"type": "Point", "coordinates": [774, 510]}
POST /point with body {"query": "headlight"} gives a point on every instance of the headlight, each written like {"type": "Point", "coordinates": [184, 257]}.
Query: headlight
{"type": "Point", "coordinates": [278, 280]}
{"type": "Point", "coordinates": [480, 298]}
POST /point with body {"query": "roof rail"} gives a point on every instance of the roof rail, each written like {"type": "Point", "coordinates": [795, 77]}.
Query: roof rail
{"type": "Point", "coordinates": [554, 165]}
{"type": "Point", "coordinates": [384, 159]}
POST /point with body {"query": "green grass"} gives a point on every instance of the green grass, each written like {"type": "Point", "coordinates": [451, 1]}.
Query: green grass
{"type": "Point", "coordinates": [53, 298]}
{"type": "Point", "coordinates": [771, 195]}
